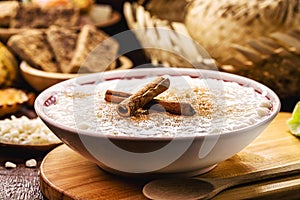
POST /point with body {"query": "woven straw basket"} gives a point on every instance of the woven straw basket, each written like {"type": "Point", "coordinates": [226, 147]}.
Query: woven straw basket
{"type": "Point", "coordinates": [259, 39]}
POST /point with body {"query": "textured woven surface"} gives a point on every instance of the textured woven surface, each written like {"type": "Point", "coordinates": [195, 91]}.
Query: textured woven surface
{"type": "Point", "coordinates": [165, 42]}
{"type": "Point", "coordinates": [19, 183]}
{"type": "Point", "coordinates": [273, 60]}
{"type": "Point", "coordinates": [218, 24]}
{"type": "Point", "coordinates": [257, 39]}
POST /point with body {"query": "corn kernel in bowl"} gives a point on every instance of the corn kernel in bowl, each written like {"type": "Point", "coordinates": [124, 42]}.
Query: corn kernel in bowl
{"type": "Point", "coordinates": [26, 131]}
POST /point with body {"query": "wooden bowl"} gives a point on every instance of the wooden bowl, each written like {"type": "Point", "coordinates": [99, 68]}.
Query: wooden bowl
{"type": "Point", "coordinates": [30, 147]}
{"type": "Point", "coordinates": [25, 135]}
{"type": "Point", "coordinates": [41, 80]}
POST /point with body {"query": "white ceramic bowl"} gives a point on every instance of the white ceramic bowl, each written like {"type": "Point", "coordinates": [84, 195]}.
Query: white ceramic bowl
{"type": "Point", "coordinates": [140, 156]}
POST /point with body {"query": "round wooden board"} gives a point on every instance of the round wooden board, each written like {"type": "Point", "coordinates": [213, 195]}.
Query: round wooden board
{"type": "Point", "coordinates": [64, 174]}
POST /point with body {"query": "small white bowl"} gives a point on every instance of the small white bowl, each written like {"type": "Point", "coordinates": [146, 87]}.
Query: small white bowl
{"type": "Point", "coordinates": [40, 80]}
{"type": "Point", "coordinates": [144, 152]}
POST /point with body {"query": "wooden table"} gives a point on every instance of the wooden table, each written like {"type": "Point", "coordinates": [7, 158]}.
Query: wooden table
{"type": "Point", "coordinates": [274, 147]}
{"type": "Point", "coordinates": [20, 182]}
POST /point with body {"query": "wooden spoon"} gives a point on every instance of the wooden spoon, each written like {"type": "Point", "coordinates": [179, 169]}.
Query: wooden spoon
{"type": "Point", "coordinates": [206, 188]}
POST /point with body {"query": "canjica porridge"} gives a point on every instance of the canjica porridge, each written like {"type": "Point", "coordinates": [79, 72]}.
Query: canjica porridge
{"type": "Point", "coordinates": [183, 106]}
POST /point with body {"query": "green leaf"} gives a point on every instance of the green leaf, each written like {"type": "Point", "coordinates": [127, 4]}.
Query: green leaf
{"type": "Point", "coordinates": [294, 122]}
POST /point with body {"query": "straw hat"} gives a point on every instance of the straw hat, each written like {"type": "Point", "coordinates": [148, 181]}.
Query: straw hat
{"type": "Point", "coordinates": [259, 39]}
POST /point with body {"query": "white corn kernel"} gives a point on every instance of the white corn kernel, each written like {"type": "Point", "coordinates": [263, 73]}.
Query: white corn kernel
{"type": "Point", "coordinates": [10, 165]}
{"type": "Point", "coordinates": [262, 112]}
{"type": "Point", "coordinates": [31, 163]}
{"type": "Point", "coordinates": [265, 104]}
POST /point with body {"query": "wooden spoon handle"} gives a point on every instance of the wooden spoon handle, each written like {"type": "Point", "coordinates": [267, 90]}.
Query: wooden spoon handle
{"type": "Point", "coordinates": [286, 170]}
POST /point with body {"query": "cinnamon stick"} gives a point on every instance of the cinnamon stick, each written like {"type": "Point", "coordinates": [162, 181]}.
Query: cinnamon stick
{"type": "Point", "coordinates": [176, 108]}
{"type": "Point", "coordinates": [129, 106]}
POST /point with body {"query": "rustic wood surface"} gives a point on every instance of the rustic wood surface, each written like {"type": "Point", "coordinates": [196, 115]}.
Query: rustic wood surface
{"type": "Point", "coordinates": [67, 175]}
{"type": "Point", "coordinates": [20, 182]}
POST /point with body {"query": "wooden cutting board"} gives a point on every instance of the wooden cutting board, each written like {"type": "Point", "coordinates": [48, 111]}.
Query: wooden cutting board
{"type": "Point", "coordinates": [65, 174]}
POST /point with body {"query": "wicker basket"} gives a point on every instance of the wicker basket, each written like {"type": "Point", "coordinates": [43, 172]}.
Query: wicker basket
{"type": "Point", "coordinates": [273, 60]}
{"type": "Point", "coordinates": [259, 39]}
{"type": "Point", "coordinates": [165, 42]}
{"type": "Point", "coordinates": [271, 56]}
